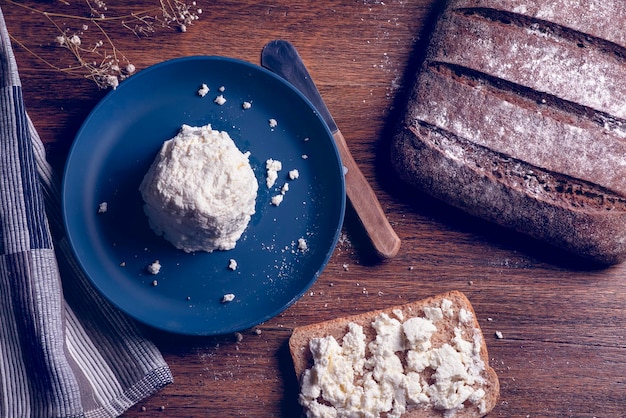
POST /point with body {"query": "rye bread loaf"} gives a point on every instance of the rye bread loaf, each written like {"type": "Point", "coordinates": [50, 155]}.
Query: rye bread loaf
{"type": "Point", "coordinates": [457, 320]}
{"type": "Point", "coordinates": [518, 116]}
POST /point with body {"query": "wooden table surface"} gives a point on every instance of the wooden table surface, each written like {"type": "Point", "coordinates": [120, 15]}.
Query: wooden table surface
{"type": "Point", "coordinates": [563, 321]}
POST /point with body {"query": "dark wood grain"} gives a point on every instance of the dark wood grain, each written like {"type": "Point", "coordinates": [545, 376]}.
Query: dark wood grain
{"type": "Point", "coordinates": [563, 321]}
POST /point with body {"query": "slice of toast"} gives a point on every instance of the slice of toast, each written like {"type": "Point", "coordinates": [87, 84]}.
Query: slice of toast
{"type": "Point", "coordinates": [447, 387]}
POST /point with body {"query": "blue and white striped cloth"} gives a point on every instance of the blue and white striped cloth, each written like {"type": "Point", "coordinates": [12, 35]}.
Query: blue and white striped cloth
{"type": "Point", "coordinates": [64, 351]}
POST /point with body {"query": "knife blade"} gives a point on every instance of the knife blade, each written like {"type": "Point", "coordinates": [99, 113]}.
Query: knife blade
{"type": "Point", "coordinates": [282, 58]}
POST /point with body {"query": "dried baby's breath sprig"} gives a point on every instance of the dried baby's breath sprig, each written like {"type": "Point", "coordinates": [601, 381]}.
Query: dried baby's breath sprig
{"type": "Point", "coordinates": [141, 25]}
{"type": "Point", "coordinates": [171, 14]}
{"type": "Point", "coordinates": [97, 8]}
{"type": "Point", "coordinates": [179, 13]}
{"type": "Point", "coordinates": [101, 61]}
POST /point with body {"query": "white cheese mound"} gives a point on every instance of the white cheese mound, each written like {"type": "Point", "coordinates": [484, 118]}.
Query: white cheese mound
{"type": "Point", "coordinates": [200, 191]}
{"type": "Point", "coordinates": [387, 376]}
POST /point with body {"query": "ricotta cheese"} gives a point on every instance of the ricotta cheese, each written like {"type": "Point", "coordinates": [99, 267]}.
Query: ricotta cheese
{"type": "Point", "coordinates": [154, 268]}
{"type": "Point", "coordinates": [273, 167]}
{"type": "Point", "coordinates": [401, 367]}
{"type": "Point", "coordinates": [103, 207]}
{"type": "Point", "coordinates": [228, 297]}
{"type": "Point", "coordinates": [232, 264]}
{"type": "Point", "coordinates": [220, 100]}
{"type": "Point", "coordinates": [203, 90]}
{"type": "Point", "coordinates": [277, 200]}
{"type": "Point", "coordinates": [200, 191]}
{"type": "Point", "coordinates": [294, 174]}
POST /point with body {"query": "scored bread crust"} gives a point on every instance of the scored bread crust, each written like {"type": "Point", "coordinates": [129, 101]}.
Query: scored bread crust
{"type": "Point", "coordinates": [338, 327]}
{"type": "Point", "coordinates": [518, 116]}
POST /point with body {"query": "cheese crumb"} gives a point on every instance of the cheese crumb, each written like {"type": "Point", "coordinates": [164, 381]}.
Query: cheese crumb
{"type": "Point", "coordinates": [294, 174]}
{"type": "Point", "coordinates": [446, 307]}
{"type": "Point", "coordinates": [302, 245]}
{"type": "Point", "coordinates": [154, 268]}
{"type": "Point", "coordinates": [103, 207]}
{"type": "Point", "coordinates": [232, 264]}
{"type": "Point", "coordinates": [273, 123]}
{"type": "Point", "coordinates": [204, 89]}
{"type": "Point", "coordinates": [433, 313]}
{"type": "Point", "coordinates": [465, 316]}
{"type": "Point", "coordinates": [220, 100]}
{"type": "Point", "coordinates": [277, 200]}
{"type": "Point", "coordinates": [228, 297]}
{"type": "Point", "coordinates": [246, 105]}
{"type": "Point", "coordinates": [272, 167]}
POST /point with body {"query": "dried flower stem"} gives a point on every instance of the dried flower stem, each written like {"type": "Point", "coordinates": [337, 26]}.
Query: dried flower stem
{"type": "Point", "coordinates": [102, 62]}
{"type": "Point", "coordinates": [39, 57]}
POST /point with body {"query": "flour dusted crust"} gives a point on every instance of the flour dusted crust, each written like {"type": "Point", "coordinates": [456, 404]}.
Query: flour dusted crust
{"type": "Point", "coordinates": [200, 191]}
{"type": "Point", "coordinates": [456, 315]}
{"type": "Point", "coordinates": [518, 116]}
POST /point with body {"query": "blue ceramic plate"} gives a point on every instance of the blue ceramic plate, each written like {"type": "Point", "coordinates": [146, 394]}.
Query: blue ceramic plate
{"type": "Point", "coordinates": [114, 149]}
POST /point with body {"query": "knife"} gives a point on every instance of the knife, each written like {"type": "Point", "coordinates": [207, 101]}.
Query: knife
{"type": "Point", "coordinates": [281, 57]}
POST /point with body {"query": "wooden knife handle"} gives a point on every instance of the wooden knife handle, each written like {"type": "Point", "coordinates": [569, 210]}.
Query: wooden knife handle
{"type": "Point", "coordinates": [366, 204]}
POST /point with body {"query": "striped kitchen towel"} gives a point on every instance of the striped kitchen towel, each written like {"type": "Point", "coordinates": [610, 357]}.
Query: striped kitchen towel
{"type": "Point", "coordinates": [64, 351]}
